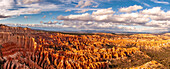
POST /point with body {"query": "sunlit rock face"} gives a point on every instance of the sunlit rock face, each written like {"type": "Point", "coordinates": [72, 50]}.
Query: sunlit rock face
{"type": "Point", "coordinates": [26, 48]}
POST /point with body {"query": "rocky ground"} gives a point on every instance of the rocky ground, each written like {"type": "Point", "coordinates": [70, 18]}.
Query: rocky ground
{"type": "Point", "coordinates": [33, 49]}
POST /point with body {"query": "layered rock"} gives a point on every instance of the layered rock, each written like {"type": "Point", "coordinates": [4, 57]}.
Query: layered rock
{"type": "Point", "coordinates": [26, 48]}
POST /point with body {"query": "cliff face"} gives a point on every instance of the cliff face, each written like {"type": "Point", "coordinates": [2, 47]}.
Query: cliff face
{"type": "Point", "coordinates": [13, 34]}
{"type": "Point", "coordinates": [26, 48]}
{"type": "Point", "coordinates": [5, 28]}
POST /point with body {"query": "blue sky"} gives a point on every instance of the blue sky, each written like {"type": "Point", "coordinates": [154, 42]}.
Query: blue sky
{"type": "Point", "coordinates": [88, 15]}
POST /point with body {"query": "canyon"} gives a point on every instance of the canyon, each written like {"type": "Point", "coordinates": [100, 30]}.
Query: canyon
{"type": "Point", "coordinates": [24, 48]}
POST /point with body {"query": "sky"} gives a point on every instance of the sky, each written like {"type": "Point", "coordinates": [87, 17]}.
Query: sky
{"type": "Point", "coordinates": [152, 16]}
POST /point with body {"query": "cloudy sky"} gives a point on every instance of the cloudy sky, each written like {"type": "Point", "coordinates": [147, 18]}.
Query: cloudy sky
{"type": "Point", "coordinates": [151, 16]}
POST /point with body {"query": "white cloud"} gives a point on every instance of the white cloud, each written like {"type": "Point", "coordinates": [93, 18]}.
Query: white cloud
{"type": "Point", "coordinates": [31, 7]}
{"type": "Point", "coordinates": [34, 11]}
{"type": "Point", "coordinates": [150, 29]}
{"type": "Point", "coordinates": [127, 28]}
{"type": "Point", "coordinates": [153, 11]}
{"type": "Point", "coordinates": [160, 17]}
{"type": "Point", "coordinates": [88, 25]}
{"type": "Point", "coordinates": [19, 11]}
{"type": "Point", "coordinates": [43, 6]}
{"type": "Point", "coordinates": [108, 17]}
{"type": "Point", "coordinates": [103, 11]}
{"type": "Point", "coordinates": [156, 13]}
{"type": "Point", "coordinates": [13, 7]}
{"type": "Point", "coordinates": [6, 4]}
{"type": "Point", "coordinates": [85, 3]}
{"type": "Point", "coordinates": [100, 19]}
{"type": "Point", "coordinates": [162, 2]}
{"type": "Point", "coordinates": [19, 2]}
{"type": "Point", "coordinates": [131, 18]}
{"type": "Point", "coordinates": [93, 27]}
{"type": "Point", "coordinates": [80, 3]}
{"type": "Point", "coordinates": [151, 20]}
{"type": "Point", "coordinates": [163, 24]}
{"type": "Point", "coordinates": [130, 8]}
{"type": "Point", "coordinates": [83, 17]}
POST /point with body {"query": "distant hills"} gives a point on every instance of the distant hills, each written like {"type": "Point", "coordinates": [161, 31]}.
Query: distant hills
{"type": "Point", "coordinates": [91, 31]}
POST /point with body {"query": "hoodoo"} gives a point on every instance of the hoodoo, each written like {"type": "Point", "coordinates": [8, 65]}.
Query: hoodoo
{"type": "Point", "coordinates": [39, 50]}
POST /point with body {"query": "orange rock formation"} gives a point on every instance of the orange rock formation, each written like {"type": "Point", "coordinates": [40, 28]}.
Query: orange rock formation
{"type": "Point", "coordinates": [37, 49]}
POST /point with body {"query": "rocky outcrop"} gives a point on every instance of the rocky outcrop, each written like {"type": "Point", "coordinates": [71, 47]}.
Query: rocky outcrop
{"type": "Point", "coordinates": [26, 48]}
{"type": "Point", "coordinates": [39, 53]}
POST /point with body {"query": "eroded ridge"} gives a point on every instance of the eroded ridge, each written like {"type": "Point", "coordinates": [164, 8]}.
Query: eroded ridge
{"type": "Point", "coordinates": [29, 49]}
{"type": "Point", "coordinates": [39, 55]}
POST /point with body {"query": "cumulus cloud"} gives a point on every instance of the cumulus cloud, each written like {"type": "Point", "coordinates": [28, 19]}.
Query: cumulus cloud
{"type": "Point", "coordinates": [138, 18]}
{"type": "Point", "coordinates": [156, 13]}
{"type": "Point", "coordinates": [100, 19]}
{"type": "Point", "coordinates": [106, 15]}
{"type": "Point", "coordinates": [99, 15]}
{"type": "Point", "coordinates": [93, 27]}
{"type": "Point", "coordinates": [85, 3]}
{"type": "Point", "coordinates": [103, 11]}
{"type": "Point", "coordinates": [83, 17]}
{"type": "Point", "coordinates": [6, 4]}
{"type": "Point", "coordinates": [160, 17]}
{"type": "Point", "coordinates": [131, 18]}
{"type": "Point", "coordinates": [88, 25]}
{"type": "Point", "coordinates": [153, 11]}
{"type": "Point", "coordinates": [151, 20]}
{"type": "Point", "coordinates": [12, 8]}
{"type": "Point", "coordinates": [163, 24]}
{"type": "Point", "coordinates": [108, 27]}
{"type": "Point", "coordinates": [130, 8]}
{"type": "Point", "coordinates": [162, 2]}
{"type": "Point", "coordinates": [81, 2]}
